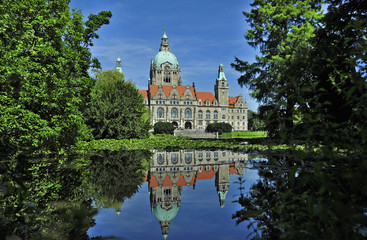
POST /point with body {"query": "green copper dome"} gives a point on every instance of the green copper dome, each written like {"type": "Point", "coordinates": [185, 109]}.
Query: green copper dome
{"type": "Point", "coordinates": [166, 215]}
{"type": "Point", "coordinates": [165, 56]}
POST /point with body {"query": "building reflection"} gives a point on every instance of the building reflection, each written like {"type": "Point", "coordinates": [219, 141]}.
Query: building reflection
{"type": "Point", "coordinates": [171, 171]}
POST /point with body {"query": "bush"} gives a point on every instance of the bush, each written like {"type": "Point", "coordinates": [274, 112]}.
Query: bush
{"type": "Point", "coordinates": [219, 127]}
{"type": "Point", "coordinates": [163, 127]}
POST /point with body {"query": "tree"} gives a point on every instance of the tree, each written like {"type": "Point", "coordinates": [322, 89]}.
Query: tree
{"type": "Point", "coordinates": [255, 123]}
{"type": "Point", "coordinates": [117, 108]}
{"type": "Point", "coordinates": [282, 30]}
{"type": "Point", "coordinates": [219, 127]}
{"type": "Point", "coordinates": [163, 128]}
{"type": "Point", "coordinates": [337, 111]}
{"type": "Point", "coordinates": [44, 83]}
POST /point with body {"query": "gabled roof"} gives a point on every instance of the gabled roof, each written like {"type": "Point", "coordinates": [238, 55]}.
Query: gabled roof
{"type": "Point", "coordinates": [232, 101]}
{"type": "Point", "coordinates": [206, 175]}
{"type": "Point", "coordinates": [204, 96]}
{"type": "Point", "coordinates": [168, 88]}
{"type": "Point", "coordinates": [144, 92]}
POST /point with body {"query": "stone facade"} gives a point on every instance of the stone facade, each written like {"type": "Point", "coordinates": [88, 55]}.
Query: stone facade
{"type": "Point", "coordinates": [185, 107]}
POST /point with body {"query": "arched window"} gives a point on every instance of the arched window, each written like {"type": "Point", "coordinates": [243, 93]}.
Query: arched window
{"type": "Point", "coordinates": [167, 75]}
{"type": "Point", "coordinates": [174, 113]}
{"type": "Point", "coordinates": [215, 114]}
{"type": "Point", "coordinates": [174, 158]}
{"type": "Point", "coordinates": [160, 158]}
{"type": "Point", "coordinates": [160, 113]}
{"type": "Point", "coordinates": [188, 113]}
{"type": "Point", "coordinates": [200, 102]}
{"type": "Point", "coordinates": [188, 157]}
{"type": "Point", "coordinates": [207, 102]}
{"type": "Point", "coordinates": [207, 114]}
{"type": "Point", "coordinates": [200, 114]}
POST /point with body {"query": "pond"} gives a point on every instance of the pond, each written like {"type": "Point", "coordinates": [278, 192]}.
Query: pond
{"type": "Point", "coordinates": [196, 194]}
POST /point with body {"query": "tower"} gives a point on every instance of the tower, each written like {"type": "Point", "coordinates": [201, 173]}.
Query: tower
{"type": "Point", "coordinates": [222, 183]}
{"type": "Point", "coordinates": [164, 69]}
{"type": "Point", "coordinates": [118, 65]}
{"type": "Point", "coordinates": [221, 87]}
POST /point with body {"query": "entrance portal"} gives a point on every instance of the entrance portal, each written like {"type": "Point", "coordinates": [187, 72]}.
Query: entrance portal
{"type": "Point", "coordinates": [188, 125]}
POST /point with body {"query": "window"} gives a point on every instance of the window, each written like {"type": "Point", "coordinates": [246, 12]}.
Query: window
{"type": "Point", "coordinates": [223, 116]}
{"type": "Point", "coordinates": [200, 102]}
{"type": "Point", "coordinates": [207, 102]}
{"type": "Point", "coordinates": [215, 114]}
{"type": "Point", "coordinates": [167, 75]}
{"type": "Point", "coordinates": [208, 156]}
{"type": "Point", "coordinates": [174, 113]}
{"type": "Point", "coordinates": [243, 117]}
{"type": "Point", "coordinates": [188, 157]}
{"type": "Point", "coordinates": [200, 123]}
{"type": "Point", "coordinates": [160, 113]}
{"type": "Point", "coordinates": [188, 113]}
{"type": "Point", "coordinates": [207, 114]}
{"type": "Point", "coordinates": [200, 114]}
{"type": "Point", "coordinates": [174, 158]}
{"type": "Point", "coordinates": [238, 117]}
{"type": "Point", "coordinates": [232, 117]}
{"type": "Point", "coordinates": [160, 158]}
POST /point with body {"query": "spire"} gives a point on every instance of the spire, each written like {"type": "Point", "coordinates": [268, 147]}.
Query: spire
{"type": "Point", "coordinates": [221, 75]}
{"type": "Point", "coordinates": [118, 65]}
{"type": "Point", "coordinates": [164, 43]}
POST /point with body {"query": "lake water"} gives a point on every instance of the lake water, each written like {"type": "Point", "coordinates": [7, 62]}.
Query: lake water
{"type": "Point", "coordinates": [185, 194]}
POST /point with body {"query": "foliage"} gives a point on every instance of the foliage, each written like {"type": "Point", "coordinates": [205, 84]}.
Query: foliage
{"type": "Point", "coordinates": [282, 30]}
{"type": "Point", "coordinates": [307, 196]}
{"type": "Point", "coordinates": [219, 127]}
{"type": "Point", "coordinates": [163, 128]}
{"type": "Point", "coordinates": [310, 76]}
{"type": "Point", "coordinates": [116, 109]}
{"type": "Point", "coordinates": [44, 83]}
{"type": "Point", "coordinates": [255, 123]}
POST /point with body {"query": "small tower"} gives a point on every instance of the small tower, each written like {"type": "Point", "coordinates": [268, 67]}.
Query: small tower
{"type": "Point", "coordinates": [118, 65]}
{"type": "Point", "coordinates": [164, 43]}
{"type": "Point", "coordinates": [222, 183]}
{"type": "Point", "coordinates": [221, 87]}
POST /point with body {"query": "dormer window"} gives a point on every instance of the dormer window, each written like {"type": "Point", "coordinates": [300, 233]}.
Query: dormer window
{"type": "Point", "coordinates": [200, 102]}
{"type": "Point", "coordinates": [207, 102]}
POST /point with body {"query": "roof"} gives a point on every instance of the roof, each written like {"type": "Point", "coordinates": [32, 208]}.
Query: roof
{"type": "Point", "coordinates": [144, 92]}
{"type": "Point", "coordinates": [204, 96]}
{"type": "Point", "coordinates": [168, 88]}
{"type": "Point", "coordinates": [165, 56]}
{"type": "Point", "coordinates": [232, 101]}
{"type": "Point", "coordinates": [206, 175]}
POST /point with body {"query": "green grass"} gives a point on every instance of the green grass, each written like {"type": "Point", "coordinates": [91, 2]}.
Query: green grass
{"type": "Point", "coordinates": [257, 134]}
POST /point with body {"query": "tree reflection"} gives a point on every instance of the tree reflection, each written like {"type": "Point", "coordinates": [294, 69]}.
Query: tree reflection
{"type": "Point", "coordinates": [52, 198]}
{"type": "Point", "coordinates": [114, 176]}
{"type": "Point", "coordinates": [305, 196]}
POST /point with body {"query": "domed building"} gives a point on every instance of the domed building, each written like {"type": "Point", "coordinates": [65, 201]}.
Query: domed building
{"type": "Point", "coordinates": [184, 106]}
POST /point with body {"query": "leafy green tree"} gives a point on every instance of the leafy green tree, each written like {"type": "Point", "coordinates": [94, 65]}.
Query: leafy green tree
{"type": "Point", "coordinates": [282, 30]}
{"type": "Point", "coordinates": [163, 128]}
{"type": "Point", "coordinates": [44, 83]}
{"type": "Point", "coordinates": [336, 109]}
{"type": "Point", "coordinates": [255, 123]}
{"type": "Point", "coordinates": [117, 108]}
{"type": "Point", "coordinates": [219, 127]}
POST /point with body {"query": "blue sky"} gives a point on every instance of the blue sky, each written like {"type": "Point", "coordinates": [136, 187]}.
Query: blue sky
{"type": "Point", "coordinates": [202, 34]}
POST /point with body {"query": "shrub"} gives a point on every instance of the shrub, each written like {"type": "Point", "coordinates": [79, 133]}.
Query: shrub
{"type": "Point", "coordinates": [163, 127]}
{"type": "Point", "coordinates": [219, 127]}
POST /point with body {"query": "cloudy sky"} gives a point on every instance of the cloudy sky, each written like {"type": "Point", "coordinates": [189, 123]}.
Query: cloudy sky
{"type": "Point", "coordinates": [202, 34]}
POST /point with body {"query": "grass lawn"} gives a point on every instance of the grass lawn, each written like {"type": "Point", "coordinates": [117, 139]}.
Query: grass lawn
{"type": "Point", "coordinates": [257, 134]}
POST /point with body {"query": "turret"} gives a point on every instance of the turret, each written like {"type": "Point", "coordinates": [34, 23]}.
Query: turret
{"type": "Point", "coordinates": [221, 87]}
{"type": "Point", "coordinates": [118, 65]}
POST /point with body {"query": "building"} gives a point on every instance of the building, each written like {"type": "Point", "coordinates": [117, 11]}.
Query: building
{"type": "Point", "coordinates": [170, 172]}
{"type": "Point", "coordinates": [186, 108]}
